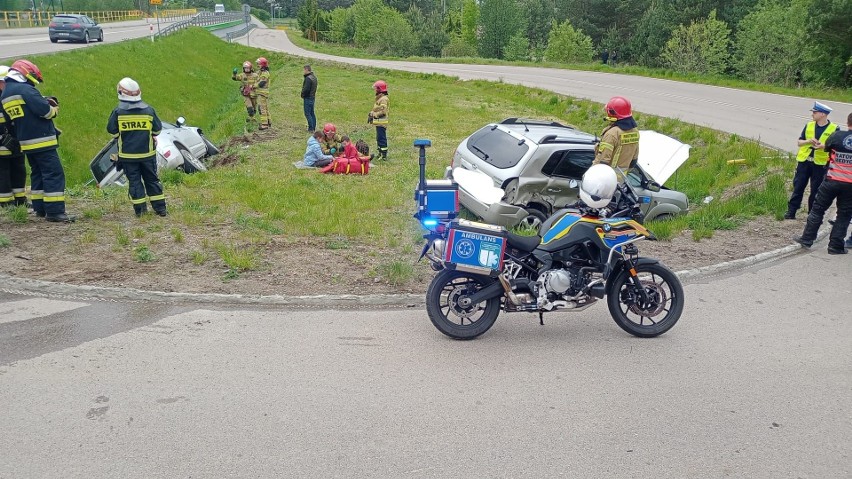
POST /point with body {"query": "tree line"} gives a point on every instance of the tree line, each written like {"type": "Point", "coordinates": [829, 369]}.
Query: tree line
{"type": "Point", "coordinates": [782, 42]}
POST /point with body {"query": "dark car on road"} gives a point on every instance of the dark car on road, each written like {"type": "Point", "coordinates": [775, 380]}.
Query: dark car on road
{"type": "Point", "coordinates": [74, 28]}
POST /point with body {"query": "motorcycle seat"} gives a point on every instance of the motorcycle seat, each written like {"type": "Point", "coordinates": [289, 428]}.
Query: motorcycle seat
{"type": "Point", "coordinates": [523, 243]}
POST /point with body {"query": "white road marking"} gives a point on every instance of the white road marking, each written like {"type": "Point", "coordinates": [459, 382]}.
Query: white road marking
{"type": "Point", "coordinates": [35, 308]}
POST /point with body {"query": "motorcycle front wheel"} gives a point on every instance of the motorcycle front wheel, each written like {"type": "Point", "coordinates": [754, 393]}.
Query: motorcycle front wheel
{"type": "Point", "coordinates": [646, 319]}
{"type": "Point", "coordinates": [455, 320]}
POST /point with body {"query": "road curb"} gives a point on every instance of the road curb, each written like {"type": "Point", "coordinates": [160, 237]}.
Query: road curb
{"type": "Point", "coordinates": [32, 287]}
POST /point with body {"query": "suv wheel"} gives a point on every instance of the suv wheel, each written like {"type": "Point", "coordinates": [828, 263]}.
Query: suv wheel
{"type": "Point", "coordinates": [533, 220]}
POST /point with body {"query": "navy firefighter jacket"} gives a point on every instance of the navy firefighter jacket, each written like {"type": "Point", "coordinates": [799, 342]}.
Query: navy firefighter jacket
{"type": "Point", "coordinates": [135, 124]}
{"type": "Point", "coordinates": [31, 116]}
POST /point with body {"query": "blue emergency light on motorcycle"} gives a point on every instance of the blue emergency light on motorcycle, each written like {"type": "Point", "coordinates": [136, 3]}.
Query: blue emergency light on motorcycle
{"type": "Point", "coordinates": [437, 200]}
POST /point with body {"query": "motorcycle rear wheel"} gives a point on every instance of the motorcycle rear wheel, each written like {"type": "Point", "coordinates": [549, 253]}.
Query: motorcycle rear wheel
{"type": "Point", "coordinates": [452, 319]}
{"type": "Point", "coordinates": [664, 306]}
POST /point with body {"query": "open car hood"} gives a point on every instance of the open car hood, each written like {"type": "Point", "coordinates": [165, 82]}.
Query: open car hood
{"type": "Point", "coordinates": [660, 155]}
{"type": "Point", "coordinates": [478, 184]}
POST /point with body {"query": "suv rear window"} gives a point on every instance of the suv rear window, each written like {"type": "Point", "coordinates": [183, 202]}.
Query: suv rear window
{"type": "Point", "coordinates": [569, 163]}
{"type": "Point", "coordinates": [496, 147]}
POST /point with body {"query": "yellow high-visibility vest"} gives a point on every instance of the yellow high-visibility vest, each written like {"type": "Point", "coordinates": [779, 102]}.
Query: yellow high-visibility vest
{"type": "Point", "coordinates": [820, 156]}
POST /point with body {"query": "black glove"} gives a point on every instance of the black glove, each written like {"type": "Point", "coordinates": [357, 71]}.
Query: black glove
{"type": "Point", "coordinates": [261, 84]}
{"type": "Point", "coordinates": [52, 100]}
{"type": "Point", "coordinates": [370, 118]}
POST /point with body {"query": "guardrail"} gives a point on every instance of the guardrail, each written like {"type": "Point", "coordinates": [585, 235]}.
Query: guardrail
{"type": "Point", "coordinates": [230, 36]}
{"type": "Point", "coordinates": [204, 19]}
{"type": "Point", "coordinates": [29, 18]}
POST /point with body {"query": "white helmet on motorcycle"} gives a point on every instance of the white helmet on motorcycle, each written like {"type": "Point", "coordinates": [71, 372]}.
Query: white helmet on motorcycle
{"type": "Point", "coordinates": [128, 90]}
{"type": "Point", "coordinates": [598, 186]}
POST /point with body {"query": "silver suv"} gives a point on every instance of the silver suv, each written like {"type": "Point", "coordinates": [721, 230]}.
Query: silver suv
{"type": "Point", "coordinates": [520, 171]}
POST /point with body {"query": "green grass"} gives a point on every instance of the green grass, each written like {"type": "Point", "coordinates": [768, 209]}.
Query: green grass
{"type": "Point", "coordinates": [17, 214]}
{"type": "Point", "coordinates": [143, 254]}
{"type": "Point", "coordinates": [836, 94]}
{"type": "Point", "coordinates": [5, 242]}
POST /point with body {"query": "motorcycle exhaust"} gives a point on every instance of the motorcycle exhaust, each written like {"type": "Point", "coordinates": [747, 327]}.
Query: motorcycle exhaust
{"type": "Point", "coordinates": [508, 289]}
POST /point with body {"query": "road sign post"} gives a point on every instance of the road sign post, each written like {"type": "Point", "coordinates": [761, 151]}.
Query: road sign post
{"type": "Point", "coordinates": [156, 4]}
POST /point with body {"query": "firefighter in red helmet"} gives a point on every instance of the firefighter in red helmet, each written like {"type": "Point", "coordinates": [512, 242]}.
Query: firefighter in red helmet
{"type": "Point", "coordinates": [32, 115]}
{"type": "Point", "coordinates": [13, 169]}
{"type": "Point", "coordinates": [619, 144]}
{"type": "Point", "coordinates": [263, 92]}
{"type": "Point", "coordinates": [248, 84]}
{"type": "Point", "coordinates": [331, 143]}
{"type": "Point", "coordinates": [379, 117]}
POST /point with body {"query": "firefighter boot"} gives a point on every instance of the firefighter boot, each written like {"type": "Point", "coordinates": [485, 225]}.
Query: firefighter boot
{"type": "Point", "coordinates": [140, 209]}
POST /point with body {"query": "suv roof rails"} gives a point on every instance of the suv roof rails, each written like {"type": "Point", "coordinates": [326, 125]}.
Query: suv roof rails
{"type": "Point", "coordinates": [573, 141]}
{"type": "Point", "coordinates": [529, 121]}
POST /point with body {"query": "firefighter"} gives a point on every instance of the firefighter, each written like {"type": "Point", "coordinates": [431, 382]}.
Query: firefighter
{"type": "Point", "coordinates": [135, 124]}
{"type": "Point", "coordinates": [331, 143]}
{"type": "Point", "coordinates": [378, 116]}
{"type": "Point", "coordinates": [263, 92]}
{"type": "Point", "coordinates": [619, 144]}
{"type": "Point", "coordinates": [32, 116]}
{"type": "Point", "coordinates": [13, 171]}
{"type": "Point", "coordinates": [248, 82]}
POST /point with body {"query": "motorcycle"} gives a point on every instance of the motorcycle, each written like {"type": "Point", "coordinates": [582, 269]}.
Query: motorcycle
{"type": "Point", "coordinates": [581, 256]}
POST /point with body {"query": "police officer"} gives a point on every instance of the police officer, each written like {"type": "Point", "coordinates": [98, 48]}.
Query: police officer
{"type": "Point", "coordinates": [248, 80]}
{"type": "Point", "coordinates": [136, 126]}
{"type": "Point", "coordinates": [812, 158]}
{"type": "Point", "coordinates": [263, 92]}
{"type": "Point", "coordinates": [378, 116]}
{"type": "Point", "coordinates": [837, 184]}
{"type": "Point", "coordinates": [32, 116]}
{"type": "Point", "coordinates": [13, 171]}
{"type": "Point", "coordinates": [619, 145]}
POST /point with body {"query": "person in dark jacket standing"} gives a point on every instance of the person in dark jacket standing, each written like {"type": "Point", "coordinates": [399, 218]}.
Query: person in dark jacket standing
{"type": "Point", "coordinates": [13, 170]}
{"type": "Point", "coordinates": [309, 93]}
{"type": "Point", "coordinates": [32, 116]}
{"type": "Point", "coordinates": [135, 124]}
{"type": "Point", "coordinates": [837, 184]}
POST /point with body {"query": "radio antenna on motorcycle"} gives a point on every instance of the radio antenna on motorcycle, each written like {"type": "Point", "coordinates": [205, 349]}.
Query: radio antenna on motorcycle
{"type": "Point", "coordinates": [421, 186]}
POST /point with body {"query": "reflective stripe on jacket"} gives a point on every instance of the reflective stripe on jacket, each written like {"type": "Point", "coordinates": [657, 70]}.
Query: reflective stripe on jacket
{"type": "Point", "coordinates": [840, 167]}
{"type": "Point", "coordinates": [134, 124]}
{"type": "Point", "coordinates": [820, 156]}
{"type": "Point", "coordinates": [380, 110]}
{"type": "Point", "coordinates": [618, 148]}
{"type": "Point", "coordinates": [31, 116]}
{"type": "Point", "coordinates": [263, 79]}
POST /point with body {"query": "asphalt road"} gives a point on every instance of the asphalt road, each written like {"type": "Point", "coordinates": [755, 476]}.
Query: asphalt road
{"type": "Point", "coordinates": [22, 42]}
{"type": "Point", "coordinates": [775, 120]}
{"type": "Point", "coordinates": [754, 381]}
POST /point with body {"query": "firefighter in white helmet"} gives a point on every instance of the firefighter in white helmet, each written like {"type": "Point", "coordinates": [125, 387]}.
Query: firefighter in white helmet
{"type": "Point", "coordinates": [136, 126]}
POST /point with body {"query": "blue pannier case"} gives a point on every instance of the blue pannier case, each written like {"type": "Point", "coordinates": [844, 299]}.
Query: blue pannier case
{"type": "Point", "coordinates": [441, 199]}
{"type": "Point", "coordinates": [475, 247]}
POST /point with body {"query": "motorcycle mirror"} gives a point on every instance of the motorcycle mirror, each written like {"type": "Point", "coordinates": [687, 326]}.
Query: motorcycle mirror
{"type": "Point", "coordinates": [573, 183]}
{"type": "Point", "coordinates": [181, 121]}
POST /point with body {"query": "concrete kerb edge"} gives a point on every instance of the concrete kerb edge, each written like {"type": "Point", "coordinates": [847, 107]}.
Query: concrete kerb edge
{"type": "Point", "coordinates": [26, 286]}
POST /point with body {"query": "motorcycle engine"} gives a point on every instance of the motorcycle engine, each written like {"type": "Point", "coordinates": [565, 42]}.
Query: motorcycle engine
{"type": "Point", "coordinates": [556, 281]}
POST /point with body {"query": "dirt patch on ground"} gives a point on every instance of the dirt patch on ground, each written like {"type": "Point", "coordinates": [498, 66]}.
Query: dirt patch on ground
{"type": "Point", "coordinates": [86, 253]}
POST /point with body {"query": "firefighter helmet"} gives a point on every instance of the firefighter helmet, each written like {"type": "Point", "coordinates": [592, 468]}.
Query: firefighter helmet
{"type": "Point", "coordinates": [380, 86]}
{"type": "Point", "coordinates": [3, 71]}
{"type": "Point", "coordinates": [618, 108]}
{"type": "Point", "coordinates": [247, 64]}
{"type": "Point", "coordinates": [262, 62]}
{"type": "Point", "coordinates": [329, 129]}
{"type": "Point", "coordinates": [128, 90]}
{"type": "Point", "coordinates": [28, 70]}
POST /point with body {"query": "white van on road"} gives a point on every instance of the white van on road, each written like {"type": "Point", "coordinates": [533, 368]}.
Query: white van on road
{"type": "Point", "coordinates": [219, 8]}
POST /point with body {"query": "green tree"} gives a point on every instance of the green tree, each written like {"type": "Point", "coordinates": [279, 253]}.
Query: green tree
{"type": "Point", "coordinates": [771, 42]}
{"type": "Point", "coordinates": [567, 44]}
{"type": "Point", "coordinates": [499, 20]}
{"type": "Point", "coordinates": [469, 21]}
{"type": "Point", "coordinates": [701, 47]}
{"type": "Point", "coordinates": [540, 17]}
{"type": "Point", "coordinates": [382, 30]}
{"type": "Point", "coordinates": [518, 48]}
{"type": "Point", "coordinates": [341, 25]}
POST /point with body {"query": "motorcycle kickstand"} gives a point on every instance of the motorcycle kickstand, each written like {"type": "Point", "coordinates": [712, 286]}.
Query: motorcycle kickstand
{"type": "Point", "coordinates": [541, 318]}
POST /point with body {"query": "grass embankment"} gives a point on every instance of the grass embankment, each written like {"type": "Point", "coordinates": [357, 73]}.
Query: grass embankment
{"type": "Point", "coordinates": [235, 216]}
{"type": "Point", "coordinates": [835, 94]}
